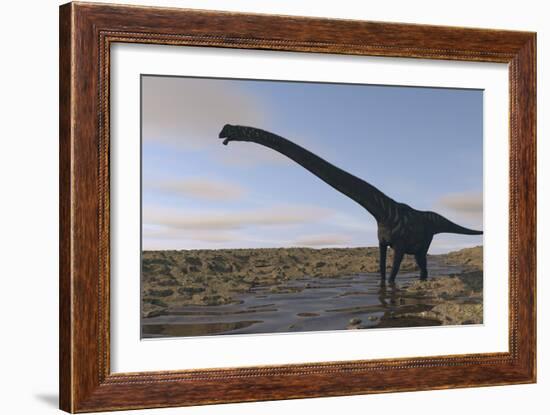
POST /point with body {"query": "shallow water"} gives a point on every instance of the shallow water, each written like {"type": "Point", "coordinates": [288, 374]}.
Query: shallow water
{"type": "Point", "coordinates": [308, 304]}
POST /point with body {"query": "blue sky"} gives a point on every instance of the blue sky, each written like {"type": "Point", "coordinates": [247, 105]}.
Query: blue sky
{"type": "Point", "coordinates": [420, 146]}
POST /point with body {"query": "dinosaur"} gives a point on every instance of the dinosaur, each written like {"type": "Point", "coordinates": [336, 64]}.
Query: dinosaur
{"type": "Point", "coordinates": [400, 227]}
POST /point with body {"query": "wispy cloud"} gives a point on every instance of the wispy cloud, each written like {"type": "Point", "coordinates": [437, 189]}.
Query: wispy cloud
{"type": "Point", "coordinates": [466, 206]}
{"type": "Point", "coordinates": [466, 209]}
{"type": "Point", "coordinates": [469, 203]}
{"type": "Point", "coordinates": [279, 226]}
{"type": "Point", "coordinates": [222, 220]}
{"type": "Point", "coordinates": [323, 240]}
{"type": "Point", "coordinates": [187, 114]}
{"type": "Point", "coordinates": [199, 188]}
{"type": "Point", "coordinates": [363, 222]}
{"type": "Point", "coordinates": [189, 235]}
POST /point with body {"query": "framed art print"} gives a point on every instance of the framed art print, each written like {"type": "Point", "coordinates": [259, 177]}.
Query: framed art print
{"type": "Point", "coordinates": [261, 207]}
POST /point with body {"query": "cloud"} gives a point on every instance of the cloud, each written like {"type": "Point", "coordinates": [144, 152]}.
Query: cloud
{"type": "Point", "coordinates": [467, 203]}
{"type": "Point", "coordinates": [464, 206]}
{"type": "Point", "coordinates": [464, 202]}
{"type": "Point", "coordinates": [222, 220]}
{"type": "Point", "coordinates": [279, 226]}
{"type": "Point", "coordinates": [200, 188]}
{"type": "Point", "coordinates": [165, 228]}
{"type": "Point", "coordinates": [362, 223]}
{"type": "Point", "coordinates": [187, 112]}
{"type": "Point", "coordinates": [200, 236]}
{"type": "Point", "coordinates": [323, 240]}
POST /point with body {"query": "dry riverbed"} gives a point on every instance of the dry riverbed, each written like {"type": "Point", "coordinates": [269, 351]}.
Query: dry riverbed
{"type": "Point", "coordinates": [173, 281]}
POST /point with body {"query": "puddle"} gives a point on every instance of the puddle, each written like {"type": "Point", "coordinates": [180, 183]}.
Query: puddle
{"type": "Point", "coordinates": [307, 304]}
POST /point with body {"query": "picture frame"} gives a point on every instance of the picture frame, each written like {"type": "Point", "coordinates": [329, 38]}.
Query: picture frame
{"type": "Point", "coordinates": [87, 32]}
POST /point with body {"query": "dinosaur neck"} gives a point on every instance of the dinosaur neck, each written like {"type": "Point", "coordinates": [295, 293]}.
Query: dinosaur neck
{"type": "Point", "coordinates": [368, 196]}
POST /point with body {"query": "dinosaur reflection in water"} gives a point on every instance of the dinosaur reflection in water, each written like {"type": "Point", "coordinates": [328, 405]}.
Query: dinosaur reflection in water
{"type": "Point", "coordinates": [400, 227]}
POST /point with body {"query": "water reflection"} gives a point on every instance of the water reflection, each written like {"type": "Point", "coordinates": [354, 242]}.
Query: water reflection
{"type": "Point", "coordinates": [307, 304]}
{"type": "Point", "coordinates": [383, 296]}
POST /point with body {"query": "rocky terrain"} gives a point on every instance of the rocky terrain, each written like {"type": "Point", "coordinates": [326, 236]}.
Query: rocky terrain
{"type": "Point", "coordinates": [449, 300]}
{"type": "Point", "coordinates": [174, 279]}
{"type": "Point", "coordinates": [470, 258]}
{"type": "Point", "coordinates": [210, 277]}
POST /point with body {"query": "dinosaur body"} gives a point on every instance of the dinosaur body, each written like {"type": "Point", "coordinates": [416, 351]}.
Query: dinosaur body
{"type": "Point", "coordinates": [404, 229]}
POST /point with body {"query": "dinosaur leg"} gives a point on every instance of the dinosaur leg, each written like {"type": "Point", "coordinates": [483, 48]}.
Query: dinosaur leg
{"type": "Point", "coordinates": [421, 261]}
{"type": "Point", "coordinates": [397, 258]}
{"type": "Point", "coordinates": [383, 249]}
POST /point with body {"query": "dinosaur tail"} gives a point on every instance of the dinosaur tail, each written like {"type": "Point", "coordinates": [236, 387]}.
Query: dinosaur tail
{"type": "Point", "coordinates": [444, 225]}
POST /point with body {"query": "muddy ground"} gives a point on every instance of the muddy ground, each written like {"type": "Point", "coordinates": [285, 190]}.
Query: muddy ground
{"type": "Point", "coordinates": [175, 279]}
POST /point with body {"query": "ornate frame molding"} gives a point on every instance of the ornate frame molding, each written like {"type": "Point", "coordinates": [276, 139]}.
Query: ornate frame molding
{"type": "Point", "coordinates": [86, 33]}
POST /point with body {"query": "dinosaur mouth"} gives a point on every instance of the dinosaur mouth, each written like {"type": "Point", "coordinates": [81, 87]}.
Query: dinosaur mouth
{"type": "Point", "coordinates": [223, 134]}
{"type": "Point", "coordinates": [227, 139]}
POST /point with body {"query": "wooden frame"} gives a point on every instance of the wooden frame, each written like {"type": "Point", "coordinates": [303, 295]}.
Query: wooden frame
{"type": "Point", "coordinates": [86, 33]}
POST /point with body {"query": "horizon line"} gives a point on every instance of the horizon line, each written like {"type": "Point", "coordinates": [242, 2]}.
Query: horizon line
{"type": "Point", "coordinates": [294, 247]}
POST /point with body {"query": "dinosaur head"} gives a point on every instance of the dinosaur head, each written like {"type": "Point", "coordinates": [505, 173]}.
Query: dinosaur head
{"type": "Point", "coordinates": [229, 133]}
{"type": "Point", "coordinates": [237, 133]}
